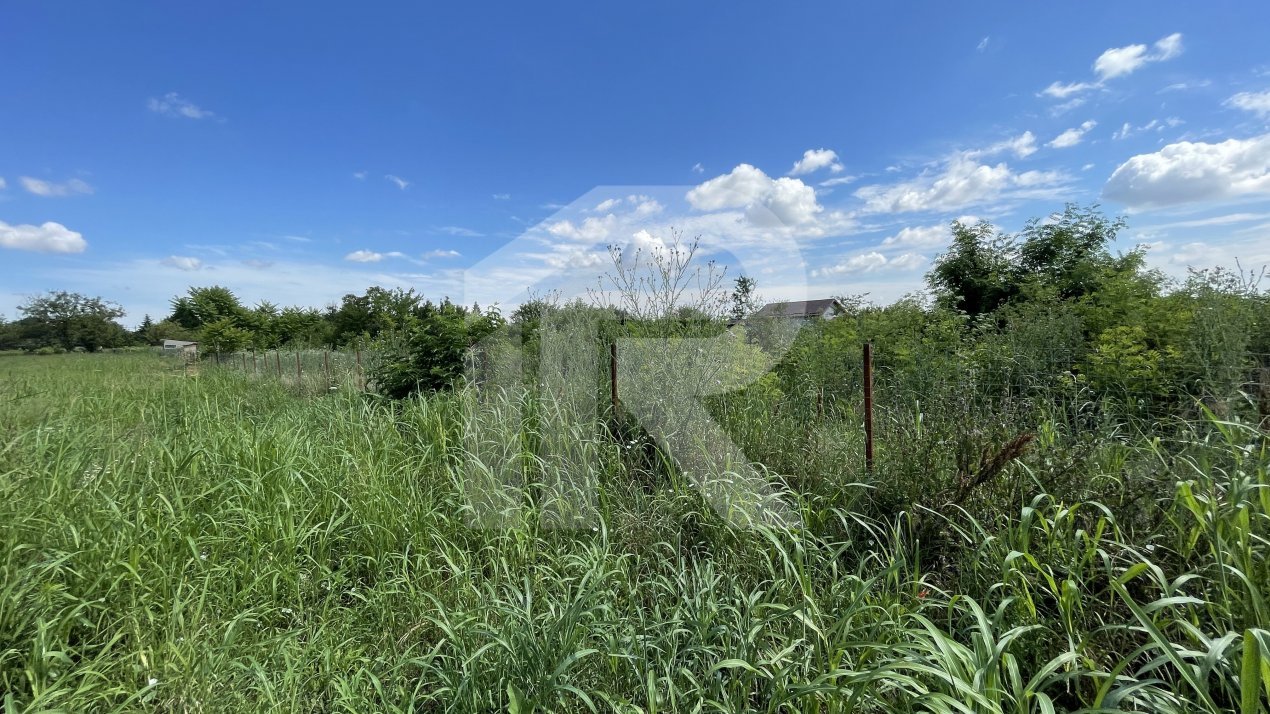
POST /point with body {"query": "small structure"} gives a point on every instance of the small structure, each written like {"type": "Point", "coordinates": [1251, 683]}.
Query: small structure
{"type": "Point", "coordinates": [825, 309]}
{"type": "Point", "coordinates": [185, 348]}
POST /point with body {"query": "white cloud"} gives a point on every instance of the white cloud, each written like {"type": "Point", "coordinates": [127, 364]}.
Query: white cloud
{"type": "Point", "coordinates": [920, 236]}
{"type": "Point", "coordinates": [838, 181]}
{"type": "Point", "coordinates": [48, 189]}
{"type": "Point", "coordinates": [591, 230]}
{"type": "Point", "coordinates": [983, 44]}
{"type": "Point", "coordinates": [1256, 102]}
{"type": "Point", "coordinates": [1183, 86]}
{"type": "Point", "coordinates": [1058, 90]}
{"type": "Point", "coordinates": [1022, 146]}
{"type": "Point", "coordinates": [442, 253]}
{"type": "Point", "coordinates": [182, 262]}
{"type": "Point", "coordinates": [815, 160]}
{"type": "Point", "coordinates": [1127, 129]}
{"type": "Point", "coordinates": [45, 238]}
{"type": "Point", "coordinates": [787, 200]}
{"type": "Point", "coordinates": [3, 185]}
{"type": "Point", "coordinates": [870, 262]}
{"type": "Point", "coordinates": [1072, 136]}
{"type": "Point", "coordinates": [174, 105]}
{"type": "Point", "coordinates": [501, 196]}
{"type": "Point", "coordinates": [697, 168]}
{"type": "Point", "coordinates": [460, 231]}
{"type": "Point", "coordinates": [370, 256]}
{"type": "Point", "coordinates": [607, 205]}
{"type": "Point", "coordinates": [962, 182]}
{"type": "Point", "coordinates": [359, 175]}
{"type": "Point", "coordinates": [1119, 62]}
{"type": "Point", "coordinates": [398, 181]}
{"type": "Point", "coordinates": [1186, 172]}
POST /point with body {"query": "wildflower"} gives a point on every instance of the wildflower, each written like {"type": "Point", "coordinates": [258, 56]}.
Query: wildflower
{"type": "Point", "coordinates": [152, 681]}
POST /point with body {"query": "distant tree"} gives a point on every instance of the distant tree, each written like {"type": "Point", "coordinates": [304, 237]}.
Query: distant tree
{"type": "Point", "coordinates": [69, 320]}
{"type": "Point", "coordinates": [222, 336]}
{"type": "Point", "coordinates": [742, 300]}
{"type": "Point", "coordinates": [201, 306]}
{"type": "Point", "coordinates": [976, 276]}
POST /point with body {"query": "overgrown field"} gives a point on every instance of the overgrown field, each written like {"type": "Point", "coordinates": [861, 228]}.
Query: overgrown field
{"type": "Point", "coordinates": [220, 543]}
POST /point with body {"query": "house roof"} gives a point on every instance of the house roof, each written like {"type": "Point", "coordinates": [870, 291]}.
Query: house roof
{"type": "Point", "coordinates": [178, 343]}
{"type": "Point", "coordinates": [799, 308]}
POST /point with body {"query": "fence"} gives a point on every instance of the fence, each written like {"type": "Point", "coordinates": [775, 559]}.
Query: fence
{"type": "Point", "coordinates": [306, 371]}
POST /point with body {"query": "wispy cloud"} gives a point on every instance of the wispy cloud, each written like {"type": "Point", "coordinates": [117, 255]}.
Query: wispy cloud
{"type": "Point", "coordinates": [398, 181]}
{"type": "Point", "coordinates": [502, 196]}
{"type": "Point", "coordinates": [174, 105]}
{"type": "Point", "coordinates": [460, 231]}
{"type": "Point", "coordinates": [359, 175]}
{"type": "Point", "coordinates": [983, 44]}
{"type": "Point", "coordinates": [182, 262]}
{"type": "Point", "coordinates": [442, 253]}
{"type": "Point", "coordinates": [697, 168]}
{"type": "Point", "coordinates": [370, 256]}
{"type": "Point", "coordinates": [49, 189]}
{"type": "Point", "coordinates": [1256, 102]}
{"type": "Point", "coordinates": [1119, 62]}
{"type": "Point", "coordinates": [1072, 136]}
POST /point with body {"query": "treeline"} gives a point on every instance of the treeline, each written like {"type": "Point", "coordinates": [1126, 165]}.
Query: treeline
{"type": "Point", "coordinates": [216, 318]}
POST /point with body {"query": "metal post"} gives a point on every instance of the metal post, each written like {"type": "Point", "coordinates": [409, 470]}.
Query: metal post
{"type": "Point", "coordinates": [326, 366]}
{"type": "Point", "coordinates": [868, 406]}
{"type": "Point", "coordinates": [613, 375]}
{"type": "Point", "coordinates": [244, 361]}
{"type": "Point", "coordinates": [298, 376]}
{"type": "Point", "coordinates": [361, 382]}
{"type": "Point", "coordinates": [277, 360]}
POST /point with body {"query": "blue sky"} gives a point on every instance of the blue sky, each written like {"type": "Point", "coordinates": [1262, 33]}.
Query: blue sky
{"type": "Point", "coordinates": [300, 151]}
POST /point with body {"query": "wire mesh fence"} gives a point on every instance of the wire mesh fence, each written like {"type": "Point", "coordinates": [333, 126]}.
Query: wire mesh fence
{"type": "Point", "coordinates": [306, 371]}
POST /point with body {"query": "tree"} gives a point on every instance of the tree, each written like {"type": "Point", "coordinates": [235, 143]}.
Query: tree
{"type": "Point", "coordinates": [69, 320]}
{"type": "Point", "coordinates": [222, 337]}
{"type": "Point", "coordinates": [743, 299]}
{"type": "Point", "coordinates": [201, 306]}
{"type": "Point", "coordinates": [976, 275]}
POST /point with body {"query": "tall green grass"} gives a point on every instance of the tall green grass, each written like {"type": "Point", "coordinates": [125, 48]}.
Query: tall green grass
{"type": "Point", "coordinates": [217, 543]}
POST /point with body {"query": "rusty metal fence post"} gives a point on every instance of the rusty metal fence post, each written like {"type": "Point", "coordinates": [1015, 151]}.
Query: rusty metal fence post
{"type": "Point", "coordinates": [868, 407]}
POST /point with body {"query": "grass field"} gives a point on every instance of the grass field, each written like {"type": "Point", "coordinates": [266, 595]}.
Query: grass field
{"type": "Point", "coordinates": [219, 543]}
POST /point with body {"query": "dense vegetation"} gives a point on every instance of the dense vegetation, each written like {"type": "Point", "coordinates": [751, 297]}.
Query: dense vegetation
{"type": "Point", "coordinates": [1069, 511]}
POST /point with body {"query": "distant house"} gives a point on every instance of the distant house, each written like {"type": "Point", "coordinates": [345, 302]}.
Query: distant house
{"type": "Point", "coordinates": [181, 347]}
{"type": "Point", "coordinates": [826, 309]}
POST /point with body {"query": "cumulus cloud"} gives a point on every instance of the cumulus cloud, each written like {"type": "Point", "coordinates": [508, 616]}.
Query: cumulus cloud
{"type": "Point", "coordinates": [766, 201]}
{"type": "Point", "coordinates": [815, 160]}
{"type": "Point", "coordinates": [960, 183]}
{"type": "Point", "coordinates": [1119, 62]}
{"type": "Point", "coordinates": [920, 236]}
{"type": "Point", "coordinates": [1187, 172]}
{"type": "Point", "coordinates": [398, 181]}
{"type": "Point", "coordinates": [174, 105]}
{"type": "Point", "coordinates": [45, 238]}
{"type": "Point", "coordinates": [182, 262]}
{"type": "Point", "coordinates": [370, 256]}
{"type": "Point", "coordinates": [871, 262]}
{"type": "Point", "coordinates": [49, 189]}
{"type": "Point", "coordinates": [1256, 102]}
{"type": "Point", "coordinates": [1072, 136]}
{"type": "Point", "coordinates": [591, 230]}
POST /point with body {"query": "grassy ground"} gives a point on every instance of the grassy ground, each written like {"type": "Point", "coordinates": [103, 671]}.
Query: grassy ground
{"type": "Point", "coordinates": [217, 543]}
